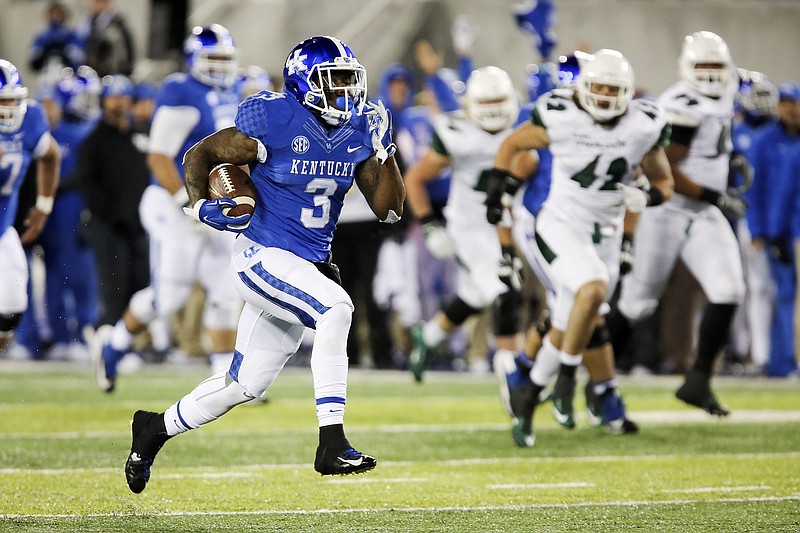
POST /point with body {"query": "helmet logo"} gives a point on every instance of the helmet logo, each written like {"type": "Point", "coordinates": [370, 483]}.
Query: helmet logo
{"type": "Point", "coordinates": [296, 63]}
{"type": "Point", "coordinates": [300, 144]}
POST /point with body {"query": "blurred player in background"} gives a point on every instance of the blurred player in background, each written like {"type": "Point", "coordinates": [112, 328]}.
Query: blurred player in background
{"type": "Point", "coordinates": [189, 107]}
{"type": "Point", "coordinates": [468, 141]}
{"type": "Point", "coordinates": [597, 136]}
{"type": "Point", "coordinates": [305, 147]}
{"type": "Point", "coordinates": [692, 226]}
{"type": "Point", "coordinates": [24, 137]}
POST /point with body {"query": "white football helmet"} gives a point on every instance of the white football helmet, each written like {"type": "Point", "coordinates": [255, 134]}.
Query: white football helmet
{"type": "Point", "coordinates": [705, 48]}
{"type": "Point", "coordinates": [13, 92]}
{"type": "Point", "coordinates": [490, 99]}
{"type": "Point", "coordinates": [605, 67]}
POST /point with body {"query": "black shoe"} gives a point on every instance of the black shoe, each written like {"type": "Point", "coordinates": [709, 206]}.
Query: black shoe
{"type": "Point", "coordinates": [523, 401]}
{"type": "Point", "coordinates": [563, 396]}
{"type": "Point", "coordinates": [348, 461]}
{"type": "Point", "coordinates": [696, 391]}
{"type": "Point", "coordinates": [594, 407]}
{"type": "Point", "coordinates": [149, 435]}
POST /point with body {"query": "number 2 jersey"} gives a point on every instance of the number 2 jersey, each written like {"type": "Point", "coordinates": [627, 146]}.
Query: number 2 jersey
{"type": "Point", "coordinates": [17, 150]}
{"type": "Point", "coordinates": [590, 159]}
{"type": "Point", "coordinates": [302, 179]}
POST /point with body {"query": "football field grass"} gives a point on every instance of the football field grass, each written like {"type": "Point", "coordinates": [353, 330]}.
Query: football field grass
{"type": "Point", "coordinates": [446, 461]}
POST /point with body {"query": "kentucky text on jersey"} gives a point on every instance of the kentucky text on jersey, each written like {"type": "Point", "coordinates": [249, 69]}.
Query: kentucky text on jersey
{"type": "Point", "coordinates": [322, 168]}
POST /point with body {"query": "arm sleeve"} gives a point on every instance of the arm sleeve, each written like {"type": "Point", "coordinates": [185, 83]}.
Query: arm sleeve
{"type": "Point", "coordinates": [443, 93]}
{"type": "Point", "coordinates": [465, 67]}
{"type": "Point", "coordinates": [438, 146]}
{"type": "Point", "coordinates": [251, 118]}
{"type": "Point", "coordinates": [171, 127]}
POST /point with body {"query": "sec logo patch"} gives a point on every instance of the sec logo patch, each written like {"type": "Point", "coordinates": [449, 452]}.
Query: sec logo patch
{"type": "Point", "coordinates": [300, 144]}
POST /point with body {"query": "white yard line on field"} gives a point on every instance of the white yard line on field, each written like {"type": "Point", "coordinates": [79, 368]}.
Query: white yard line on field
{"type": "Point", "coordinates": [452, 462]}
{"type": "Point", "coordinates": [394, 509]}
{"type": "Point", "coordinates": [645, 418]}
{"type": "Point", "coordinates": [515, 486]}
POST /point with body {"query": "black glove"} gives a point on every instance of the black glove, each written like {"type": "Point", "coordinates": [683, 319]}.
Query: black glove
{"type": "Point", "coordinates": [781, 250]}
{"type": "Point", "coordinates": [500, 190]}
{"type": "Point", "coordinates": [626, 254]}
{"type": "Point", "coordinates": [729, 202]}
{"type": "Point", "coordinates": [739, 165]}
{"type": "Point", "coordinates": [510, 268]}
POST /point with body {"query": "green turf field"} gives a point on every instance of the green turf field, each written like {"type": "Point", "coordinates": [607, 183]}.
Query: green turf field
{"type": "Point", "coordinates": [446, 461]}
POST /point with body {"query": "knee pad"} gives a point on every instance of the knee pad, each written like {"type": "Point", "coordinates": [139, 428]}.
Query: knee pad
{"type": "Point", "coordinates": [9, 321]}
{"type": "Point", "coordinates": [457, 311]}
{"type": "Point", "coordinates": [338, 318]}
{"type": "Point", "coordinates": [600, 336]}
{"type": "Point", "coordinates": [506, 312]}
{"type": "Point", "coordinates": [220, 313]}
{"type": "Point", "coordinates": [216, 396]}
{"type": "Point", "coordinates": [142, 305]}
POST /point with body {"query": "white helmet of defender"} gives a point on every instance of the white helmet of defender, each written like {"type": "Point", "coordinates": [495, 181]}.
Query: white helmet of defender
{"type": "Point", "coordinates": [710, 52]}
{"type": "Point", "coordinates": [490, 99]}
{"type": "Point", "coordinates": [605, 84]}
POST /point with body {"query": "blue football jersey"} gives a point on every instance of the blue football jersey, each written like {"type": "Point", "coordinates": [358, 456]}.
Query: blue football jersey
{"type": "Point", "coordinates": [537, 186]}
{"type": "Point", "coordinates": [16, 152]}
{"type": "Point", "coordinates": [307, 172]}
{"type": "Point", "coordinates": [217, 107]}
{"type": "Point", "coordinates": [69, 135]}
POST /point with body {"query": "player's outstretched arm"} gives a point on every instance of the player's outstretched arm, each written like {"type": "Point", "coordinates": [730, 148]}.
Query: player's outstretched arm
{"type": "Point", "coordinates": [383, 188]}
{"type": "Point", "coordinates": [225, 146]}
{"type": "Point", "coordinates": [526, 136]}
{"type": "Point", "coordinates": [427, 169]}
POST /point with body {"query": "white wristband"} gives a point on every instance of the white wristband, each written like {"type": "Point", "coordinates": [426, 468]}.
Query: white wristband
{"type": "Point", "coordinates": [44, 204]}
{"type": "Point", "coordinates": [181, 198]}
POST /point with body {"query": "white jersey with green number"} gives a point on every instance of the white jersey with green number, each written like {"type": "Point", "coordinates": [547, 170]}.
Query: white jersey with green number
{"type": "Point", "coordinates": [471, 150]}
{"type": "Point", "coordinates": [707, 161]}
{"type": "Point", "coordinates": [590, 159]}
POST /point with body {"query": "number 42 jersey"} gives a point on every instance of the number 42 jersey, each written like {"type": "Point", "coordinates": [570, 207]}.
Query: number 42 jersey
{"type": "Point", "coordinates": [590, 159]}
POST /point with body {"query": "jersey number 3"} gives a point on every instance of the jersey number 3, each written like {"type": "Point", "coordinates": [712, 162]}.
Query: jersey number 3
{"type": "Point", "coordinates": [322, 189]}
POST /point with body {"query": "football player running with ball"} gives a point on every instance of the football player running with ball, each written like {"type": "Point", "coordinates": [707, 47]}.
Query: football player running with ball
{"type": "Point", "coordinates": [305, 147]}
{"type": "Point", "coordinates": [692, 226]}
{"type": "Point", "coordinates": [597, 136]}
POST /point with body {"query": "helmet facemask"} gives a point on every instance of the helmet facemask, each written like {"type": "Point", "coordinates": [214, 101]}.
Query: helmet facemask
{"type": "Point", "coordinates": [705, 63]}
{"type": "Point", "coordinates": [491, 100]}
{"type": "Point", "coordinates": [605, 85]}
{"type": "Point", "coordinates": [336, 89]}
{"type": "Point", "coordinates": [218, 68]}
{"type": "Point", "coordinates": [11, 116]}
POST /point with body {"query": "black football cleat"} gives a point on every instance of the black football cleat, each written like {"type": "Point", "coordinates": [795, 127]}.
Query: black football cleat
{"type": "Point", "coordinates": [563, 396]}
{"type": "Point", "coordinates": [348, 461]}
{"type": "Point", "coordinates": [148, 436]}
{"type": "Point", "coordinates": [696, 390]}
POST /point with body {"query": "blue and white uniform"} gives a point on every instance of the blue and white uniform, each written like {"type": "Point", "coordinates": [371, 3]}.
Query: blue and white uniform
{"type": "Point", "coordinates": [17, 151]}
{"type": "Point", "coordinates": [183, 251]}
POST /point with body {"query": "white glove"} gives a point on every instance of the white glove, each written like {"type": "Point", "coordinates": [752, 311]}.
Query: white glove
{"type": "Point", "coordinates": [438, 241]}
{"type": "Point", "coordinates": [635, 198]}
{"type": "Point", "coordinates": [464, 36]}
{"type": "Point", "coordinates": [380, 130]}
